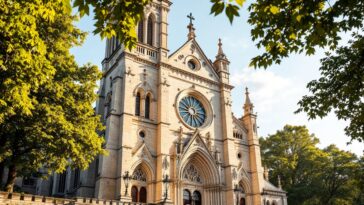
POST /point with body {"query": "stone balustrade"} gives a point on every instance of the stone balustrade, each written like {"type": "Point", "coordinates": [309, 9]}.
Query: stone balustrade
{"type": "Point", "coordinates": [28, 199]}
{"type": "Point", "coordinates": [146, 51]}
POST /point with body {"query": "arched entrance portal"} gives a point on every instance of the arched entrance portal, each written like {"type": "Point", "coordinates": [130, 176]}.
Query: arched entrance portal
{"type": "Point", "coordinates": [199, 179]}
{"type": "Point", "coordinates": [139, 190]}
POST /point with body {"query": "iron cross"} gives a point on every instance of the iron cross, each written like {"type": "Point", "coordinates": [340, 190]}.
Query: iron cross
{"type": "Point", "coordinates": [191, 18]}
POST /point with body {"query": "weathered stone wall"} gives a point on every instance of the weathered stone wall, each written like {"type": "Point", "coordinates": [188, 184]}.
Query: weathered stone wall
{"type": "Point", "coordinates": [27, 199]}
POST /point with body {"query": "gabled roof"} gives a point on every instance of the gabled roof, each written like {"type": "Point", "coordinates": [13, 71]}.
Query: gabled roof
{"type": "Point", "coordinates": [197, 52]}
{"type": "Point", "coordinates": [270, 187]}
{"type": "Point", "coordinates": [239, 124]}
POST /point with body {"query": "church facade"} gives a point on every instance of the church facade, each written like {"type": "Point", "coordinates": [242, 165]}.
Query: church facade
{"type": "Point", "coordinates": [170, 133]}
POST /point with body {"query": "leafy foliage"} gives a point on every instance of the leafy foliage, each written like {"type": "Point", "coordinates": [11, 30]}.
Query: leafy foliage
{"type": "Point", "coordinates": [46, 114]}
{"type": "Point", "coordinates": [341, 88]}
{"type": "Point", "coordinates": [312, 176]}
{"type": "Point", "coordinates": [115, 18]}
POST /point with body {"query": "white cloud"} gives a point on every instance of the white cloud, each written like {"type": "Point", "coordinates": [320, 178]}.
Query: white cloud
{"type": "Point", "coordinates": [268, 89]}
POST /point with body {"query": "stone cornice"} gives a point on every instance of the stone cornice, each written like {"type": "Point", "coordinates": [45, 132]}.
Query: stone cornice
{"type": "Point", "coordinates": [189, 74]}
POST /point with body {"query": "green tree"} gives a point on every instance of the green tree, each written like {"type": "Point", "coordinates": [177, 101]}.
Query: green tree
{"type": "Point", "coordinates": [310, 175]}
{"type": "Point", "coordinates": [340, 89]}
{"type": "Point", "coordinates": [46, 114]}
{"type": "Point", "coordinates": [280, 27]}
{"type": "Point", "coordinates": [292, 154]}
{"type": "Point", "coordinates": [336, 182]}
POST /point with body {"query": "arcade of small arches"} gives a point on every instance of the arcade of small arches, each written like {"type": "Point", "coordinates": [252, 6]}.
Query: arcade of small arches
{"type": "Point", "coordinates": [139, 186]}
{"type": "Point", "coordinates": [143, 101]}
{"type": "Point", "coordinates": [146, 30]}
{"type": "Point", "coordinates": [270, 203]}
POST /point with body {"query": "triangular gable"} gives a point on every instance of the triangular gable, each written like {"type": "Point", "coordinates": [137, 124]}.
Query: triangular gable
{"type": "Point", "coordinates": [191, 49]}
{"type": "Point", "coordinates": [239, 125]}
{"type": "Point", "coordinates": [141, 150]}
{"type": "Point", "coordinates": [196, 140]}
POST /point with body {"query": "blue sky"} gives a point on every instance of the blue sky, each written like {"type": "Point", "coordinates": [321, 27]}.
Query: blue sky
{"type": "Point", "coordinates": [274, 92]}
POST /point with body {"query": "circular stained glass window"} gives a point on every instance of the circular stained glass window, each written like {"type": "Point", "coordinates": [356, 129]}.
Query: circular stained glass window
{"type": "Point", "coordinates": [192, 111]}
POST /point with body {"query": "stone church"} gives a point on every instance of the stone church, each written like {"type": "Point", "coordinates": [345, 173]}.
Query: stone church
{"type": "Point", "coordinates": [170, 133]}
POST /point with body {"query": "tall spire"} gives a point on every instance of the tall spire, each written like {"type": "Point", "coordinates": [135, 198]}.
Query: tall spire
{"type": "Point", "coordinates": [191, 29]}
{"type": "Point", "coordinates": [248, 106]}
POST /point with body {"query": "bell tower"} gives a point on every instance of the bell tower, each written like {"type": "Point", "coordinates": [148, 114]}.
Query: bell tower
{"type": "Point", "coordinates": [249, 120]}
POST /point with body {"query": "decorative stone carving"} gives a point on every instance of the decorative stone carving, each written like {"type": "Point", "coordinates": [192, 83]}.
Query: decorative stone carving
{"type": "Point", "coordinates": [139, 175]}
{"type": "Point", "coordinates": [165, 163]}
{"type": "Point", "coordinates": [235, 174]}
{"type": "Point", "coordinates": [191, 174]}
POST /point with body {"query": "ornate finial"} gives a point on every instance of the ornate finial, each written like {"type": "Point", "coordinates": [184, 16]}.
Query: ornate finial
{"type": "Point", "coordinates": [220, 53]}
{"type": "Point", "coordinates": [247, 99]}
{"type": "Point", "coordinates": [191, 29]}
{"type": "Point", "coordinates": [279, 182]}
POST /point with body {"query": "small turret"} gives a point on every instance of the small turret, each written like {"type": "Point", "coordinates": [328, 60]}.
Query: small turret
{"type": "Point", "coordinates": [248, 105]}
{"type": "Point", "coordinates": [222, 64]}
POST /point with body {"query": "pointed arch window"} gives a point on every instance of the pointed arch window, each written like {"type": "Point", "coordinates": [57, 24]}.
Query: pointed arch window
{"type": "Point", "coordinates": [150, 34]}
{"type": "Point", "coordinates": [197, 198]}
{"type": "Point", "coordinates": [147, 106]}
{"type": "Point", "coordinates": [143, 195]}
{"type": "Point", "coordinates": [137, 104]}
{"type": "Point", "coordinates": [141, 31]}
{"type": "Point", "coordinates": [186, 197]}
{"type": "Point", "coordinates": [62, 182]}
{"type": "Point", "coordinates": [134, 194]}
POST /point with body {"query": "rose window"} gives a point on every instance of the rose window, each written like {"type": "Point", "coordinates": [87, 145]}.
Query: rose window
{"type": "Point", "coordinates": [192, 111]}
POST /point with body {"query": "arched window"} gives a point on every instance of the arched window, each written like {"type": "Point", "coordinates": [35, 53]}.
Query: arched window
{"type": "Point", "coordinates": [141, 31]}
{"type": "Point", "coordinates": [143, 195]}
{"type": "Point", "coordinates": [62, 182]}
{"type": "Point", "coordinates": [137, 104]}
{"type": "Point", "coordinates": [197, 198]}
{"type": "Point", "coordinates": [134, 194]}
{"type": "Point", "coordinates": [268, 203]}
{"type": "Point", "coordinates": [242, 201]}
{"type": "Point", "coordinates": [186, 197]}
{"type": "Point", "coordinates": [150, 31]}
{"type": "Point", "coordinates": [147, 106]}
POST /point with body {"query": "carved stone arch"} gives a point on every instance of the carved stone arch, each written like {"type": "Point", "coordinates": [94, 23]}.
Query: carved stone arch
{"type": "Point", "coordinates": [204, 162]}
{"type": "Point", "coordinates": [146, 167]}
{"type": "Point", "coordinates": [244, 181]}
{"type": "Point", "coordinates": [145, 88]}
{"type": "Point", "coordinates": [151, 95]}
{"type": "Point", "coordinates": [139, 89]}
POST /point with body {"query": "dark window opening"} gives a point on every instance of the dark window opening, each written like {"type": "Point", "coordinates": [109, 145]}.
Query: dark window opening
{"type": "Point", "coordinates": [147, 107]}
{"type": "Point", "coordinates": [150, 31]}
{"type": "Point", "coordinates": [76, 180]}
{"type": "Point", "coordinates": [141, 31]}
{"type": "Point", "coordinates": [143, 195]}
{"type": "Point", "coordinates": [134, 194]}
{"type": "Point", "coordinates": [137, 105]}
{"type": "Point", "coordinates": [62, 182]}
{"type": "Point", "coordinates": [186, 197]}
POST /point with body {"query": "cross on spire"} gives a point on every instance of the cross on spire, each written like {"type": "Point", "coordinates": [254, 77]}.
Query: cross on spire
{"type": "Point", "coordinates": [191, 18]}
{"type": "Point", "coordinates": [191, 29]}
